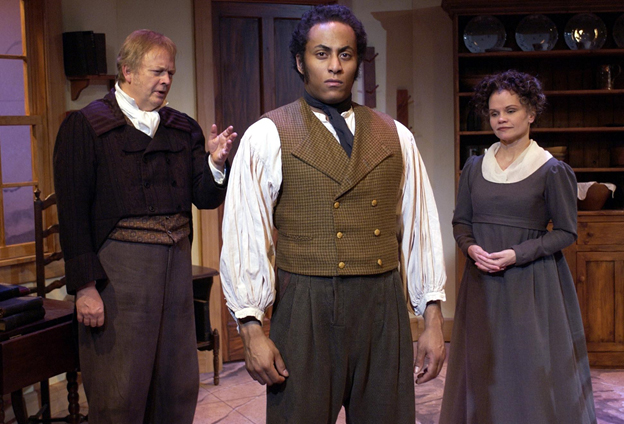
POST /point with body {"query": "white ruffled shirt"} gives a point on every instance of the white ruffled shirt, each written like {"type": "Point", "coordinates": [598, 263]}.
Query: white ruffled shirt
{"type": "Point", "coordinates": [529, 161]}
{"type": "Point", "coordinates": [248, 254]}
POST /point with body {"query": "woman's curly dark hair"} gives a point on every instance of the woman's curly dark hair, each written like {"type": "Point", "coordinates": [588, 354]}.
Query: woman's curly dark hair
{"type": "Point", "coordinates": [322, 14]}
{"type": "Point", "coordinates": [527, 87]}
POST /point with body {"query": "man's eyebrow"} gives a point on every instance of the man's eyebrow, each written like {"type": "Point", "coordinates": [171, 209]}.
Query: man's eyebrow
{"type": "Point", "coordinates": [322, 46]}
{"type": "Point", "coordinates": [327, 48]}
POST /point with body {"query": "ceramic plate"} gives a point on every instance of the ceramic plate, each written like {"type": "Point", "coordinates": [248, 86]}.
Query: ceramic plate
{"type": "Point", "coordinates": [618, 32]}
{"type": "Point", "coordinates": [483, 33]}
{"type": "Point", "coordinates": [585, 31]}
{"type": "Point", "coordinates": [536, 33]}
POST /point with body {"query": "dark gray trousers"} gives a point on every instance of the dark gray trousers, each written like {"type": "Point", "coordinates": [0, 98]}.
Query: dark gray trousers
{"type": "Point", "coordinates": [345, 341]}
{"type": "Point", "coordinates": [141, 366]}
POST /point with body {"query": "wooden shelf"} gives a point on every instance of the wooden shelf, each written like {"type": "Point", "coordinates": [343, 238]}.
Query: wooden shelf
{"type": "Point", "coordinates": [558, 54]}
{"type": "Point", "coordinates": [80, 83]}
{"type": "Point", "coordinates": [578, 117]}
{"type": "Point", "coordinates": [615, 92]}
{"type": "Point", "coordinates": [587, 170]}
{"type": "Point", "coordinates": [526, 7]}
{"type": "Point", "coordinates": [602, 212]}
{"type": "Point", "coordinates": [556, 130]}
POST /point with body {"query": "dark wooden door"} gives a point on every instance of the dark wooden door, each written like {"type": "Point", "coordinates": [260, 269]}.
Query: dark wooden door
{"type": "Point", "coordinates": [253, 75]}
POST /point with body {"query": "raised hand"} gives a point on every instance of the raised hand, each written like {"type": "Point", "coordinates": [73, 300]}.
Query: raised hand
{"type": "Point", "coordinates": [219, 145]}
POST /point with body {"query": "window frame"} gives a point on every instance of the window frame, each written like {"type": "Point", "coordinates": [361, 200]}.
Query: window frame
{"type": "Point", "coordinates": [45, 88]}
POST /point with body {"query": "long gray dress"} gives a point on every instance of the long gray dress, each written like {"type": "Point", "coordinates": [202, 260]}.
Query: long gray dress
{"type": "Point", "coordinates": [518, 351]}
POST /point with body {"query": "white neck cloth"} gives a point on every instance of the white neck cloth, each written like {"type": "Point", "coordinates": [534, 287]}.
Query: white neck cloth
{"type": "Point", "coordinates": [146, 122]}
{"type": "Point", "coordinates": [529, 161]}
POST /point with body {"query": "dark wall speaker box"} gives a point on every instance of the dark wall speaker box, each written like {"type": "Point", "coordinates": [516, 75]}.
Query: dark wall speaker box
{"type": "Point", "coordinates": [84, 53]}
{"type": "Point", "coordinates": [100, 52]}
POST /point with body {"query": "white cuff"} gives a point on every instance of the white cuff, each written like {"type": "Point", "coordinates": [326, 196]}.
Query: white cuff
{"type": "Point", "coordinates": [218, 176]}
{"type": "Point", "coordinates": [247, 312]}
{"type": "Point", "coordinates": [433, 296]}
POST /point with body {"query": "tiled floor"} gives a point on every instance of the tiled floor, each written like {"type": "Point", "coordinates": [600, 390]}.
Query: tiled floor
{"type": "Point", "coordinates": [240, 400]}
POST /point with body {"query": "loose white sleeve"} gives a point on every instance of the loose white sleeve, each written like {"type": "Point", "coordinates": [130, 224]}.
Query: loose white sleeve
{"type": "Point", "coordinates": [422, 257]}
{"type": "Point", "coordinates": [248, 253]}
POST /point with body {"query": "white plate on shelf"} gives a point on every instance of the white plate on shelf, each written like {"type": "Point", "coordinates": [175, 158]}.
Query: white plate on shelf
{"type": "Point", "coordinates": [585, 31]}
{"type": "Point", "coordinates": [536, 33]}
{"type": "Point", "coordinates": [618, 32]}
{"type": "Point", "coordinates": [483, 33]}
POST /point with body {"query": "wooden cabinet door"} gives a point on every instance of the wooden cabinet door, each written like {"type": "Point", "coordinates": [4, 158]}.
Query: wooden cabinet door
{"type": "Point", "coordinates": [600, 289]}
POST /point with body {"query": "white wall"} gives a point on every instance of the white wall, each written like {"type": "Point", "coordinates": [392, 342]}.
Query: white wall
{"type": "Point", "coordinates": [117, 19]}
{"type": "Point", "coordinates": [433, 121]}
{"type": "Point", "coordinates": [414, 42]}
{"type": "Point", "coordinates": [415, 46]}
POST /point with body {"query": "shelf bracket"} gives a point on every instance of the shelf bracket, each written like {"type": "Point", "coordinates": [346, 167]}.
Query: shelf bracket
{"type": "Point", "coordinates": [80, 83]}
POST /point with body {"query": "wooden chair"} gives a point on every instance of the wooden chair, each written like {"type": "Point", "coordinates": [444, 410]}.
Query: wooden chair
{"type": "Point", "coordinates": [207, 337]}
{"type": "Point", "coordinates": [43, 258]}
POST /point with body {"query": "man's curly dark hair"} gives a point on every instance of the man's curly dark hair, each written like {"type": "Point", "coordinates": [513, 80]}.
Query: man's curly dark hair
{"type": "Point", "coordinates": [320, 15]}
{"type": "Point", "coordinates": [527, 87]}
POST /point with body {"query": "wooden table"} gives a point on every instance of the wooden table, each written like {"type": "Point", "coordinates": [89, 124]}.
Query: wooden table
{"type": "Point", "coordinates": [36, 352]}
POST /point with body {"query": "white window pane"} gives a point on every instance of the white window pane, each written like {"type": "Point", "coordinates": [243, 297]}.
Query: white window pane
{"type": "Point", "coordinates": [12, 87]}
{"type": "Point", "coordinates": [19, 215]}
{"type": "Point", "coordinates": [10, 28]}
{"type": "Point", "coordinates": [15, 154]}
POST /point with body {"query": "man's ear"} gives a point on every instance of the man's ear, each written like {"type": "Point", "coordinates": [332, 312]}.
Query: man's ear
{"type": "Point", "coordinates": [300, 65]}
{"type": "Point", "coordinates": [127, 73]}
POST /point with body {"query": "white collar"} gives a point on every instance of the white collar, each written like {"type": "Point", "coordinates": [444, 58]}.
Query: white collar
{"type": "Point", "coordinates": [144, 121]}
{"type": "Point", "coordinates": [529, 161]}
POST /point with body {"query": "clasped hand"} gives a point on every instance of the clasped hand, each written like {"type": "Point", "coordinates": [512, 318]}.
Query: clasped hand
{"type": "Point", "coordinates": [492, 262]}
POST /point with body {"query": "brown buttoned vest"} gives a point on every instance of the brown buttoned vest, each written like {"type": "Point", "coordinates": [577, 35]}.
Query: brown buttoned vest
{"type": "Point", "coordinates": [335, 215]}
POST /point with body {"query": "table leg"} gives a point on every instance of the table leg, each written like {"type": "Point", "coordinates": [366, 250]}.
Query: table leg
{"type": "Point", "coordinates": [46, 407]}
{"type": "Point", "coordinates": [215, 356]}
{"type": "Point", "coordinates": [19, 407]}
{"type": "Point", "coordinates": [73, 397]}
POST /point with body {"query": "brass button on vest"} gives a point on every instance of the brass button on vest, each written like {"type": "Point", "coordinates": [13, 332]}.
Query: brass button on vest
{"type": "Point", "coordinates": [339, 235]}
{"type": "Point", "coordinates": [341, 265]}
{"type": "Point", "coordinates": [377, 232]}
{"type": "Point", "coordinates": [379, 262]}
{"type": "Point", "coordinates": [336, 205]}
{"type": "Point", "coordinates": [374, 203]}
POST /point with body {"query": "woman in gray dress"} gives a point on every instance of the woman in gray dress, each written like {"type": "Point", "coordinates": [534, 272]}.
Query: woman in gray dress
{"type": "Point", "coordinates": [518, 351]}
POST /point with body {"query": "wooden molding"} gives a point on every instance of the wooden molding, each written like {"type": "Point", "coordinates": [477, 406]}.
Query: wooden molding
{"type": "Point", "coordinates": [305, 2]}
{"type": "Point", "coordinates": [469, 7]}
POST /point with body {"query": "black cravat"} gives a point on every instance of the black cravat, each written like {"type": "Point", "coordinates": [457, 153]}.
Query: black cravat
{"type": "Point", "coordinates": [335, 118]}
